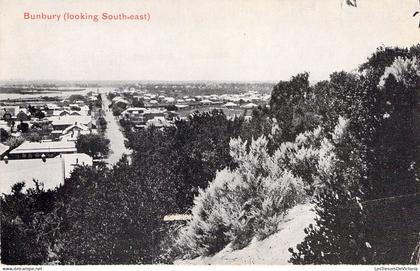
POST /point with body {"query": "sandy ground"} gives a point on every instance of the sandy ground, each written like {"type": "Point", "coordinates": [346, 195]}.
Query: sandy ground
{"type": "Point", "coordinates": [270, 251]}
{"type": "Point", "coordinates": [114, 134]}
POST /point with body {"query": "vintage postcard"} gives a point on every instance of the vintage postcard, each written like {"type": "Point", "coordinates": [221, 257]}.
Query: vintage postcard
{"type": "Point", "coordinates": [217, 133]}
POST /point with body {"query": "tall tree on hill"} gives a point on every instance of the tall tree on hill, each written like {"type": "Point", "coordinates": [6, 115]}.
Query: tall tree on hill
{"type": "Point", "coordinates": [385, 119]}
{"type": "Point", "coordinates": [288, 104]}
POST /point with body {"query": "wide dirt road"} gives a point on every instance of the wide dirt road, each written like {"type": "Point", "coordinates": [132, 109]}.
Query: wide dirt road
{"type": "Point", "coordinates": [114, 134]}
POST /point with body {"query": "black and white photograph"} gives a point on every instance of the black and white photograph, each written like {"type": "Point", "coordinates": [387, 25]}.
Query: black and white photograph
{"type": "Point", "coordinates": [210, 133]}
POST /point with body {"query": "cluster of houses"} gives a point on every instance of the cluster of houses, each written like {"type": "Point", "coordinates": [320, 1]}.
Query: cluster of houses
{"type": "Point", "coordinates": [52, 158]}
{"type": "Point", "coordinates": [160, 110]}
{"type": "Point", "coordinates": [51, 121]}
{"type": "Point", "coordinates": [141, 117]}
{"type": "Point", "coordinates": [248, 99]}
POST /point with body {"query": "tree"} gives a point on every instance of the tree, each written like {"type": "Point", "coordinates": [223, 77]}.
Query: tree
{"type": "Point", "coordinates": [102, 123]}
{"type": "Point", "coordinates": [4, 135]}
{"type": "Point", "coordinates": [26, 231]}
{"type": "Point", "coordinates": [116, 110]}
{"type": "Point", "coordinates": [23, 127]}
{"type": "Point", "coordinates": [14, 142]}
{"type": "Point", "coordinates": [288, 105]}
{"type": "Point", "coordinates": [77, 97]}
{"type": "Point", "coordinates": [33, 136]}
{"type": "Point", "coordinates": [138, 103]}
{"type": "Point", "coordinates": [186, 156]}
{"type": "Point", "coordinates": [39, 114]}
{"type": "Point", "coordinates": [110, 216]}
{"type": "Point", "coordinates": [94, 145]}
{"type": "Point", "coordinates": [339, 234]}
{"type": "Point", "coordinates": [379, 165]}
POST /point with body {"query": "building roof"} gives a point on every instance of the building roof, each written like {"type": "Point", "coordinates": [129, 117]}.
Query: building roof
{"type": "Point", "coordinates": [158, 122]}
{"type": "Point", "coordinates": [3, 148]}
{"type": "Point", "coordinates": [230, 104]}
{"type": "Point", "coordinates": [74, 135]}
{"type": "Point", "coordinates": [45, 147]}
{"type": "Point", "coordinates": [51, 173]}
{"type": "Point", "coordinates": [70, 120]}
{"type": "Point", "coordinates": [133, 110]}
{"type": "Point", "coordinates": [121, 100]}
{"type": "Point", "coordinates": [249, 105]}
{"type": "Point", "coordinates": [78, 126]}
{"type": "Point", "coordinates": [181, 105]}
{"type": "Point", "coordinates": [74, 159]}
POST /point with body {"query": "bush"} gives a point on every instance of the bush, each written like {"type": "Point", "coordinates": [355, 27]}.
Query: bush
{"type": "Point", "coordinates": [14, 142]}
{"type": "Point", "coordinates": [252, 199]}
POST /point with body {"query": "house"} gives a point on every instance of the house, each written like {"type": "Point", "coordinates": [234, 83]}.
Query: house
{"type": "Point", "coordinates": [134, 114]}
{"type": "Point", "coordinates": [140, 115]}
{"type": "Point", "coordinates": [151, 113]}
{"type": "Point", "coordinates": [72, 132]}
{"type": "Point", "coordinates": [158, 122]}
{"type": "Point", "coordinates": [8, 112]}
{"type": "Point", "coordinates": [206, 101]}
{"type": "Point", "coordinates": [181, 106]}
{"type": "Point", "coordinates": [51, 172]}
{"type": "Point", "coordinates": [230, 104]}
{"type": "Point", "coordinates": [61, 123]}
{"type": "Point", "coordinates": [61, 113]}
{"type": "Point", "coordinates": [133, 111]}
{"type": "Point", "coordinates": [249, 105]}
{"type": "Point", "coordinates": [28, 150]}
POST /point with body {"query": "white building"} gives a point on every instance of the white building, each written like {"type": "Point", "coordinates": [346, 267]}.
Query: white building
{"type": "Point", "coordinates": [51, 172]}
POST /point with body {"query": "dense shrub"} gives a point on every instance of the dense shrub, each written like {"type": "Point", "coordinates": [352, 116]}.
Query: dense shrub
{"type": "Point", "coordinates": [251, 200]}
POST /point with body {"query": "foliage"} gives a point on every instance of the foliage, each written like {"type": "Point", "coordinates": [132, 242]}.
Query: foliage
{"type": "Point", "coordinates": [382, 129]}
{"type": "Point", "coordinates": [23, 127]}
{"type": "Point", "coordinates": [116, 110]}
{"type": "Point", "coordinates": [186, 156]}
{"type": "Point", "coordinates": [338, 236]}
{"type": "Point", "coordinates": [14, 142]}
{"type": "Point", "coordinates": [102, 124]}
{"type": "Point", "coordinates": [26, 231]}
{"type": "Point", "coordinates": [138, 103]}
{"type": "Point", "coordinates": [288, 105]}
{"type": "Point", "coordinates": [253, 198]}
{"type": "Point", "coordinates": [76, 97]}
{"type": "Point", "coordinates": [344, 143]}
{"type": "Point", "coordinates": [4, 135]}
{"type": "Point", "coordinates": [93, 144]}
{"type": "Point", "coordinates": [32, 136]}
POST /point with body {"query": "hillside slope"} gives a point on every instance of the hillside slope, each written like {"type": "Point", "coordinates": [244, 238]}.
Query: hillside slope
{"type": "Point", "coordinates": [272, 250]}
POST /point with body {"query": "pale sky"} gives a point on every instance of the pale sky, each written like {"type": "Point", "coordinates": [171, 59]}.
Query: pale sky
{"type": "Point", "coordinates": [200, 39]}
